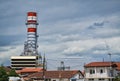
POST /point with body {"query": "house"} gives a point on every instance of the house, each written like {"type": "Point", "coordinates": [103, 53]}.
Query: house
{"type": "Point", "coordinates": [101, 71]}
{"type": "Point", "coordinates": [25, 72]}
{"type": "Point", "coordinates": [69, 75]}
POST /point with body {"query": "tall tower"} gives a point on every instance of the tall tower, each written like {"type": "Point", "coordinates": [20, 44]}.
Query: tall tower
{"type": "Point", "coordinates": [30, 46]}
{"type": "Point", "coordinates": [30, 56]}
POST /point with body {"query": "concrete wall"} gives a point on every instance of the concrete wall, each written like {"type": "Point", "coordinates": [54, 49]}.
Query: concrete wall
{"type": "Point", "coordinates": [97, 74]}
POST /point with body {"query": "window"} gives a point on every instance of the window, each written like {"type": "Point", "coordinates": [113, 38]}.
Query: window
{"type": "Point", "coordinates": [101, 71]}
{"type": "Point", "coordinates": [73, 79]}
{"type": "Point", "coordinates": [54, 80]}
{"type": "Point", "coordinates": [101, 79]}
{"type": "Point", "coordinates": [47, 80]}
{"type": "Point", "coordinates": [92, 71]}
{"type": "Point", "coordinates": [91, 79]}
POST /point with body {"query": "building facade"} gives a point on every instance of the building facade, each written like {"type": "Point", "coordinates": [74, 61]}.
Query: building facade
{"type": "Point", "coordinates": [100, 71]}
{"type": "Point", "coordinates": [18, 62]}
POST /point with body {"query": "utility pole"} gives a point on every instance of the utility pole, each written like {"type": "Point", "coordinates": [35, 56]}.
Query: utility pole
{"type": "Point", "coordinates": [110, 66]}
{"type": "Point", "coordinates": [107, 46]}
{"type": "Point", "coordinates": [44, 60]}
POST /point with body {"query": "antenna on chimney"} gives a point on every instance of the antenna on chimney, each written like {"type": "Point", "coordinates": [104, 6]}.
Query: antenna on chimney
{"type": "Point", "coordinates": [111, 70]}
{"type": "Point", "coordinates": [63, 67]}
{"type": "Point", "coordinates": [108, 48]}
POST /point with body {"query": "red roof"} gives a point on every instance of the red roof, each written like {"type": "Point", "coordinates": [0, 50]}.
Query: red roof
{"type": "Point", "coordinates": [55, 74]}
{"type": "Point", "coordinates": [118, 65]}
{"type": "Point", "coordinates": [29, 70]}
{"type": "Point", "coordinates": [100, 64]}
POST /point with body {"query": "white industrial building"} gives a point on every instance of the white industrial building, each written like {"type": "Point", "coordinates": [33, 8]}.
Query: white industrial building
{"type": "Point", "coordinates": [18, 62]}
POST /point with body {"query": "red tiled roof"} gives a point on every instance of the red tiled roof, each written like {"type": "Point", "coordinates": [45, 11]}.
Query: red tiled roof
{"type": "Point", "coordinates": [29, 70]}
{"type": "Point", "coordinates": [118, 65]}
{"type": "Point", "coordinates": [55, 74]}
{"type": "Point", "coordinates": [100, 64]}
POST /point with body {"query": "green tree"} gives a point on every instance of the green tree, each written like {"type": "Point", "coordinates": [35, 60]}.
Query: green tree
{"type": "Point", "coordinates": [117, 78]}
{"type": "Point", "coordinates": [3, 74]}
{"type": "Point", "coordinates": [13, 73]}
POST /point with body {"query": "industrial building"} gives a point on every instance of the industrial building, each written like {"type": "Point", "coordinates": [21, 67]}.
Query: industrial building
{"type": "Point", "coordinates": [30, 56]}
{"type": "Point", "coordinates": [23, 61]}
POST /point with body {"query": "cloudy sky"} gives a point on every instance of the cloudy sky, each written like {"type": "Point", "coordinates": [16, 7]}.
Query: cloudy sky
{"type": "Point", "coordinates": [74, 31]}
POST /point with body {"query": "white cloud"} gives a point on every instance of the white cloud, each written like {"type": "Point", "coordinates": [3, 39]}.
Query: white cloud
{"type": "Point", "coordinates": [73, 50]}
{"type": "Point", "coordinates": [11, 51]}
{"type": "Point", "coordinates": [66, 28]}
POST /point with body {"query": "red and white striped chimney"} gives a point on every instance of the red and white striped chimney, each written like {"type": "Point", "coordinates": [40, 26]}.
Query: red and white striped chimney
{"type": "Point", "coordinates": [31, 44]}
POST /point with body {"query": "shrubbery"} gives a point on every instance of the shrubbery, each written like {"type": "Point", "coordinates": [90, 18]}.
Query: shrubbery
{"type": "Point", "coordinates": [5, 75]}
